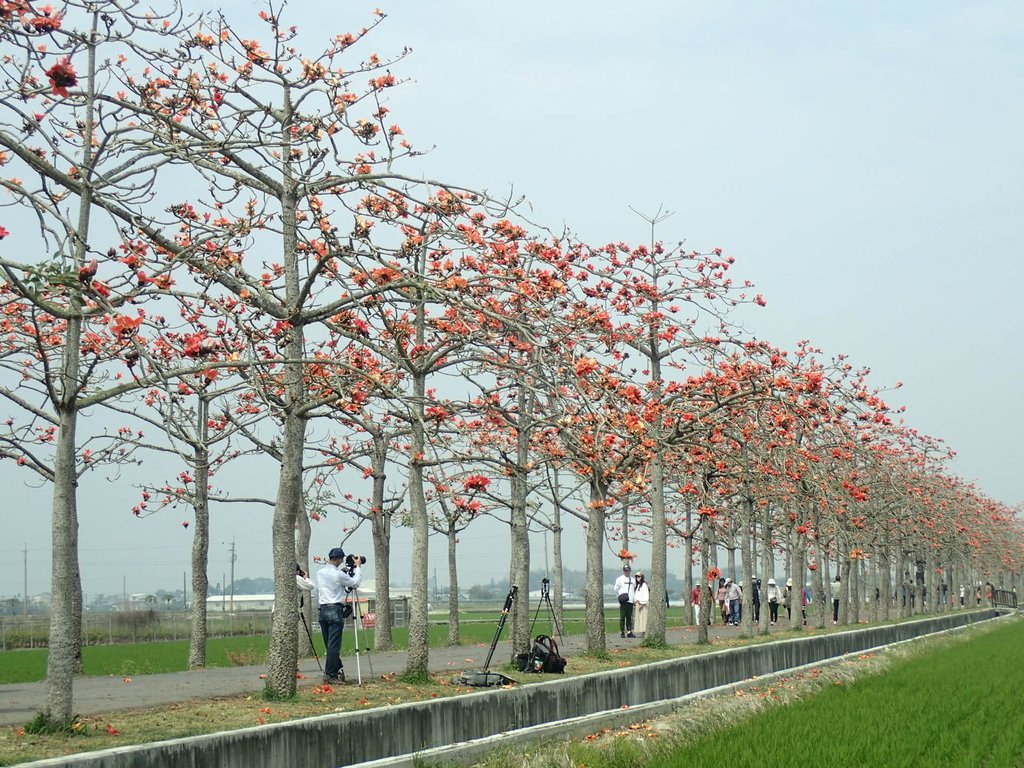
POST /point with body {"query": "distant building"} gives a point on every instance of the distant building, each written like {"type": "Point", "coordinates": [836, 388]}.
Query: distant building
{"type": "Point", "coordinates": [240, 602]}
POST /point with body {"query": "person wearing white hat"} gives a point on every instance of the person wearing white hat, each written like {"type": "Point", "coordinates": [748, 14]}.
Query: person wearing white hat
{"type": "Point", "coordinates": [734, 594]}
{"type": "Point", "coordinates": [774, 595]}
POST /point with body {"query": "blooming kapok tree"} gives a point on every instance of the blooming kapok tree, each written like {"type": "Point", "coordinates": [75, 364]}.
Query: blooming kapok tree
{"type": "Point", "coordinates": [74, 156]}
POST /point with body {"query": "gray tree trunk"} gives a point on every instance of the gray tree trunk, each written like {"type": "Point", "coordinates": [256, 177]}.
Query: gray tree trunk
{"type": "Point", "coordinates": [418, 656]}
{"type": "Point", "coordinates": [595, 570]}
{"type": "Point", "coordinates": [380, 526]}
{"type": "Point", "coordinates": [659, 553]}
{"type": "Point", "coordinates": [200, 549]}
{"type": "Point", "coordinates": [688, 569]}
{"type": "Point", "coordinates": [60, 667]}
{"type": "Point", "coordinates": [453, 587]}
{"type": "Point", "coordinates": [519, 565]}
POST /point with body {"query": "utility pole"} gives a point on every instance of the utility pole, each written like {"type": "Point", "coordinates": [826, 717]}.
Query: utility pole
{"type": "Point", "coordinates": [233, 558]}
{"type": "Point", "coordinates": [24, 608]}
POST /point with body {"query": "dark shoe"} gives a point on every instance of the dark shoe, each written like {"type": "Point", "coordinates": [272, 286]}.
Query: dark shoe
{"type": "Point", "coordinates": [622, 634]}
{"type": "Point", "coordinates": [630, 634]}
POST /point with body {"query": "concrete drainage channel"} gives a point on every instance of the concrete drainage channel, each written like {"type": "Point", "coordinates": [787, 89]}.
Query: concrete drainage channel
{"type": "Point", "coordinates": [465, 753]}
{"type": "Point", "coordinates": [460, 727]}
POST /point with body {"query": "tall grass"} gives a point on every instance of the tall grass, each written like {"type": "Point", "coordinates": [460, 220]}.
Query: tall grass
{"type": "Point", "coordinates": [954, 706]}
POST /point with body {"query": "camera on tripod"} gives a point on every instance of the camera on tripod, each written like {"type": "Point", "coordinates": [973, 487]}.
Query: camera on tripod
{"type": "Point", "coordinates": [352, 562]}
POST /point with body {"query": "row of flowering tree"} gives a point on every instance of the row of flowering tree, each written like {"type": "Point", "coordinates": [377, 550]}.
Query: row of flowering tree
{"type": "Point", "coordinates": [216, 244]}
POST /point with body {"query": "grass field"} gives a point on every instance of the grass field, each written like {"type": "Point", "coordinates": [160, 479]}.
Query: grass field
{"type": "Point", "coordinates": [954, 706]}
{"type": "Point", "coordinates": [26, 666]}
{"type": "Point", "coordinates": [949, 701]}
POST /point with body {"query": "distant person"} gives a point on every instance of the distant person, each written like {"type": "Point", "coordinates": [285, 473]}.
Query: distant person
{"type": "Point", "coordinates": [836, 597]}
{"type": "Point", "coordinates": [963, 592]}
{"type": "Point", "coordinates": [723, 600]}
{"type": "Point", "coordinates": [695, 602]}
{"type": "Point", "coordinates": [624, 594]}
{"type": "Point", "coordinates": [774, 595]}
{"type": "Point", "coordinates": [734, 594]}
{"type": "Point", "coordinates": [805, 600]}
{"type": "Point", "coordinates": [787, 598]}
{"type": "Point", "coordinates": [641, 598]}
{"type": "Point", "coordinates": [757, 601]}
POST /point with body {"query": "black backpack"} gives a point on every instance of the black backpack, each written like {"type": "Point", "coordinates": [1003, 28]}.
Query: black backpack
{"type": "Point", "coordinates": [543, 657]}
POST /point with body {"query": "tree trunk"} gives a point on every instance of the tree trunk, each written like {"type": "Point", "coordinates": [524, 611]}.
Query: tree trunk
{"type": "Point", "coordinates": [419, 649]}
{"type": "Point", "coordinates": [453, 587]}
{"type": "Point", "coordinates": [688, 580]}
{"type": "Point", "coordinates": [706, 597]}
{"type": "Point", "coordinates": [380, 526]}
{"type": "Point", "coordinates": [282, 656]}
{"type": "Point", "coordinates": [519, 565]}
{"type": "Point", "coordinates": [200, 547]}
{"type": "Point", "coordinates": [767, 564]}
{"type": "Point", "coordinates": [595, 570]}
{"type": "Point", "coordinates": [659, 554]}
{"type": "Point", "coordinates": [60, 667]}
{"type": "Point", "coordinates": [747, 554]}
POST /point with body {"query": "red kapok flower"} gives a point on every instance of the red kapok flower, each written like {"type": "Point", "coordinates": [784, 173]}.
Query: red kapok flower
{"type": "Point", "coordinates": [476, 483]}
{"type": "Point", "coordinates": [62, 76]}
{"type": "Point", "coordinates": [47, 20]}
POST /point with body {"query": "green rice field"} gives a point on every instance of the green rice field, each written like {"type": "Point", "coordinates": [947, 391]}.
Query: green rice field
{"type": "Point", "coordinates": [958, 705]}
{"type": "Point", "coordinates": [29, 665]}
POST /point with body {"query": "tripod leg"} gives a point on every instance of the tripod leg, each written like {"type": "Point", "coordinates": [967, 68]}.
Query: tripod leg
{"type": "Point", "coordinates": [309, 634]}
{"type": "Point", "coordinates": [355, 629]}
{"type": "Point", "coordinates": [359, 618]}
{"type": "Point", "coordinates": [554, 619]}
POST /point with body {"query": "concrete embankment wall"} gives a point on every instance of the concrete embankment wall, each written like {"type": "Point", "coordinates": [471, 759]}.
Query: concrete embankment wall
{"type": "Point", "coordinates": [355, 737]}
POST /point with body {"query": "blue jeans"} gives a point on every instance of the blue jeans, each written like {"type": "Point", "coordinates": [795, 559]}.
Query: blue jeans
{"type": "Point", "coordinates": [331, 624]}
{"type": "Point", "coordinates": [734, 611]}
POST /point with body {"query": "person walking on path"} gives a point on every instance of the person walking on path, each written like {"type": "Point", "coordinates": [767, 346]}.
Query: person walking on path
{"type": "Point", "coordinates": [787, 598]}
{"type": "Point", "coordinates": [641, 597]}
{"type": "Point", "coordinates": [757, 601]}
{"type": "Point", "coordinates": [723, 600]}
{"type": "Point", "coordinates": [734, 594]}
{"type": "Point", "coordinates": [836, 597]}
{"type": "Point", "coordinates": [624, 591]}
{"type": "Point", "coordinates": [695, 602]}
{"type": "Point", "coordinates": [333, 581]}
{"type": "Point", "coordinates": [774, 595]}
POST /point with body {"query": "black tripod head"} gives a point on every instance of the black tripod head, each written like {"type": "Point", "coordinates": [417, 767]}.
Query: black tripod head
{"type": "Point", "coordinates": [544, 587]}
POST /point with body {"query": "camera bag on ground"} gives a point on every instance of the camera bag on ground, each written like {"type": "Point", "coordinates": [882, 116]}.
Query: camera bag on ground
{"type": "Point", "coordinates": [543, 657]}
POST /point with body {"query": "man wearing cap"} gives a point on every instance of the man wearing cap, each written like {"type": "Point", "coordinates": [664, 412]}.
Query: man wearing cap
{"type": "Point", "coordinates": [624, 590]}
{"type": "Point", "coordinates": [332, 584]}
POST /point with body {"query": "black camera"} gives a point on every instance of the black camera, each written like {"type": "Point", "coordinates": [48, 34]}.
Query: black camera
{"type": "Point", "coordinates": [352, 562]}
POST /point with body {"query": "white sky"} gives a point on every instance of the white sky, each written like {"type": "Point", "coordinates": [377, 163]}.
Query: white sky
{"type": "Point", "coordinates": [862, 161]}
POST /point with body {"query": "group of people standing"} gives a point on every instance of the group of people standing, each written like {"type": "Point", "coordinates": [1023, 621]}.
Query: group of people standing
{"type": "Point", "coordinates": [728, 593]}
{"type": "Point", "coordinates": [634, 595]}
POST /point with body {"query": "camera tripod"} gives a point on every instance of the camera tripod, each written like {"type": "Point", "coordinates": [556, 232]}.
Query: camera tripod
{"type": "Point", "coordinates": [305, 626]}
{"type": "Point", "coordinates": [357, 619]}
{"type": "Point", "coordinates": [484, 678]}
{"type": "Point", "coordinates": [545, 599]}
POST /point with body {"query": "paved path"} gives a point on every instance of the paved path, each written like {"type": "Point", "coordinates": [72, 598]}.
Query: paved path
{"type": "Point", "coordinates": [20, 701]}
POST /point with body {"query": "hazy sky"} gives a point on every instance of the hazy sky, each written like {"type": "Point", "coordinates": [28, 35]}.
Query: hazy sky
{"type": "Point", "coordinates": [862, 161]}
